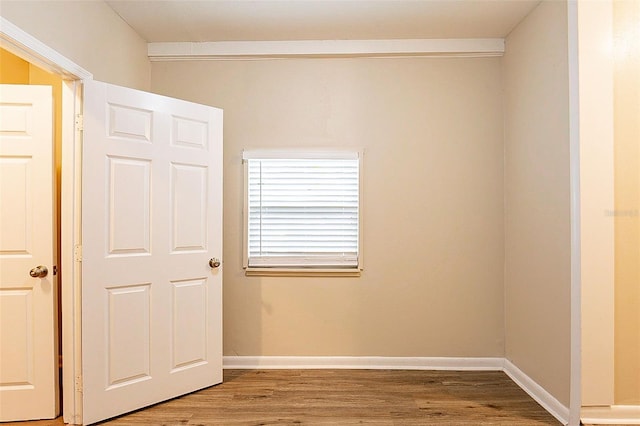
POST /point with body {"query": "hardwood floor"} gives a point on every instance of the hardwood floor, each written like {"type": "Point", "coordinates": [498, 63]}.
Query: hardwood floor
{"type": "Point", "coordinates": [347, 397]}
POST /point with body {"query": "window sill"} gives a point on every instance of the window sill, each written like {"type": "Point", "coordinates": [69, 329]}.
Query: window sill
{"type": "Point", "coordinates": [301, 272]}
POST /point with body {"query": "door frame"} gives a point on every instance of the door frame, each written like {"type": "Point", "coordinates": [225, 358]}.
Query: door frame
{"type": "Point", "coordinates": [32, 50]}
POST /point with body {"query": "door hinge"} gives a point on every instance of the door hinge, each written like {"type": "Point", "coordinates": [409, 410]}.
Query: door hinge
{"type": "Point", "coordinates": [79, 384]}
{"type": "Point", "coordinates": [79, 122]}
{"type": "Point", "coordinates": [77, 253]}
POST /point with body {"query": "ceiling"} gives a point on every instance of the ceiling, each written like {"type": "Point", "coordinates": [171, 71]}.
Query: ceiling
{"type": "Point", "coordinates": [269, 20]}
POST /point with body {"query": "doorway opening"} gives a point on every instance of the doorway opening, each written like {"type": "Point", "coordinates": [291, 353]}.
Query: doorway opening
{"type": "Point", "coordinates": [16, 71]}
{"type": "Point", "coordinates": [26, 60]}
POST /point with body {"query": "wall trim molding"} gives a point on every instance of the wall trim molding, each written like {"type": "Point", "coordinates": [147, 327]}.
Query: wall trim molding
{"type": "Point", "coordinates": [610, 415]}
{"type": "Point", "coordinates": [20, 43]}
{"type": "Point", "coordinates": [362, 363]}
{"type": "Point", "coordinates": [537, 392]}
{"type": "Point", "coordinates": [176, 51]}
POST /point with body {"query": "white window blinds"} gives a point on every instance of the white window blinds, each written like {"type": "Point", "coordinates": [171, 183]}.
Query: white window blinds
{"type": "Point", "coordinates": [303, 212]}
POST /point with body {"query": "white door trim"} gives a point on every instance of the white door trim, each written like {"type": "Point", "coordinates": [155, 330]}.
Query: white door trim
{"type": "Point", "coordinates": [31, 49]}
{"type": "Point", "coordinates": [28, 47]}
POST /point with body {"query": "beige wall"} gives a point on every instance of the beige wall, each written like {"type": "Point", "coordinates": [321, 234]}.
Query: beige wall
{"type": "Point", "coordinates": [596, 199]}
{"type": "Point", "coordinates": [627, 200]}
{"type": "Point", "coordinates": [432, 227]}
{"type": "Point", "coordinates": [537, 209]}
{"type": "Point", "coordinates": [89, 33]}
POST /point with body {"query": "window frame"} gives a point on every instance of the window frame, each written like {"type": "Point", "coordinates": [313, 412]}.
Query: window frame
{"type": "Point", "coordinates": [248, 154]}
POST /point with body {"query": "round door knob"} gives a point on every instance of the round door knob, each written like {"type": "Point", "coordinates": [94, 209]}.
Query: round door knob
{"type": "Point", "coordinates": [214, 263]}
{"type": "Point", "coordinates": [39, 272]}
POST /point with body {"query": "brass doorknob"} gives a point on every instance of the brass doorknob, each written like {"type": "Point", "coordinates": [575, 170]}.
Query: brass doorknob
{"type": "Point", "coordinates": [39, 272]}
{"type": "Point", "coordinates": [214, 262]}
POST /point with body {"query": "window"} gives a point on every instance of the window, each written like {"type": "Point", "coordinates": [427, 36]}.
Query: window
{"type": "Point", "coordinates": [302, 211]}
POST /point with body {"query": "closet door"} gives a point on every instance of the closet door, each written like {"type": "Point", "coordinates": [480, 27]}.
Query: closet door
{"type": "Point", "coordinates": [151, 240]}
{"type": "Point", "coordinates": [28, 319]}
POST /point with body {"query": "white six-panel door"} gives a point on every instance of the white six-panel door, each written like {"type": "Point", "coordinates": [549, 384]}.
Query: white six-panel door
{"type": "Point", "coordinates": [28, 349]}
{"type": "Point", "coordinates": [151, 221]}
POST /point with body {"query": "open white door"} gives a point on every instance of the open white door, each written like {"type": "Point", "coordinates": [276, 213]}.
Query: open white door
{"type": "Point", "coordinates": [151, 222]}
{"type": "Point", "coordinates": [28, 320]}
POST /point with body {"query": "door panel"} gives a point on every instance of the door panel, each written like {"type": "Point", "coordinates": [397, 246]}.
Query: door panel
{"type": "Point", "coordinates": [188, 188]}
{"type": "Point", "coordinates": [189, 333]}
{"type": "Point", "coordinates": [129, 206]}
{"type": "Point", "coordinates": [28, 344]}
{"type": "Point", "coordinates": [152, 219]}
{"type": "Point", "coordinates": [129, 341]}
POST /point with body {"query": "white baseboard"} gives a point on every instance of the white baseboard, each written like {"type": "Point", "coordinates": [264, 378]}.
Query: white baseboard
{"type": "Point", "coordinates": [537, 392]}
{"type": "Point", "coordinates": [611, 415]}
{"type": "Point", "coordinates": [366, 362]}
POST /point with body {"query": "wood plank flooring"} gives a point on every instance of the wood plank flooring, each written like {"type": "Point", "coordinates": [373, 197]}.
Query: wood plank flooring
{"type": "Point", "coordinates": [346, 397]}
